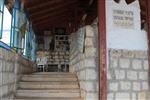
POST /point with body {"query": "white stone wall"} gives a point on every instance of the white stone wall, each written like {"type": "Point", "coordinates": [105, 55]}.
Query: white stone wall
{"type": "Point", "coordinates": [86, 64]}
{"type": "Point", "coordinates": [127, 75]}
{"type": "Point", "coordinates": [131, 38]}
{"type": "Point", "coordinates": [127, 70]}
{"type": "Point", "coordinates": [12, 66]}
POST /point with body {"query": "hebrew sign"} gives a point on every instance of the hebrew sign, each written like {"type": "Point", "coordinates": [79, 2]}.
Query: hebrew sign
{"type": "Point", "coordinates": [123, 18]}
{"type": "Point", "coordinates": [122, 15]}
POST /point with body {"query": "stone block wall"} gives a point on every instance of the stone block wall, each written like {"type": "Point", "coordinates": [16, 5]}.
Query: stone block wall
{"type": "Point", "coordinates": [127, 75]}
{"type": "Point", "coordinates": [12, 66]}
{"type": "Point", "coordinates": [85, 64]}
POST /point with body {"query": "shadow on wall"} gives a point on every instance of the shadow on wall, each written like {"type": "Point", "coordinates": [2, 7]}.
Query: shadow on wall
{"type": "Point", "coordinates": [85, 64]}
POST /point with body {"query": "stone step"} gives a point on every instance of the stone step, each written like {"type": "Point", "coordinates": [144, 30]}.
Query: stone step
{"type": "Point", "coordinates": [27, 98]}
{"type": "Point", "coordinates": [48, 85]}
{"type": "Point", "coordinates": [50, 79]}
{"type": "Point", "coordinates": [53, 73]}
{"type": "Point", "coordinates": [45, 94]}
{"type": "Point", "coordinates": [50, 90]}
{"type": "Point", "coordinates": [51, 76]}
{"type": "Point", "coordinates": [37, 79]}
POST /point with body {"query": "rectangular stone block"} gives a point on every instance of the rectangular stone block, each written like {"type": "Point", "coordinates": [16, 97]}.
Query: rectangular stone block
{"type": "Point", "coordinates": [89, 62]}
{"type": "Point", "coordinates": [114, 86]}
{"type": "Point", "coordinates": [89, 42]}
{"type": "Point", "coordinates": [110, 96]}
{"type": "Point", "coordinates": [120, 74]}
{"type": "Point", "coordinates": [92, 96]}
{"type": "Point", "coordinates": [12, 67]}
{"type": "Point", "coordinates": [83, 93]}
{"type": "Point", "coordinates": [109, 75]}
{"type": "Point", "coordinates": [114, 62]}
{"type": "Point", "coordinates": [91, 74]}
{"type": "Point", "coordinates": [1, 78]}
{"type": "Point", "coordinates": [122, 96]}
{"type": "Point", "coordinates": [124, 63]}
{"type": "Point", "coordinates": [1, 66]}
{"type": "Point", "coordinates": [89, 31]}
{"type": "Point", "coordinates": [136, 86]}
{"type": "Point", "coordinates": [134, 97]}
{"type": "Point", "coordinates": [145, 86]}
{"type": "Point", "coordinates": [125, 86]}
{"type": "Point", "coordinates": [4, 78]}
{"type": "Point", "coordinates": [90, 52]}
{"type": "Point", "coordinates": [132, 75]}
{"type": "Point", "coordinates": [5, 90]}
{"type": "Point", "coordinates": [91, 86]}
{"type": "Point", "coordinates": [115, 53]}
{"type": "Point", "coordinates": [143, 75]}
{"type": "Point", "coordinates": [146, 64]}
{"type": "Point", "coordinates": [137, 64]}
{"type": "Point", "coordinates": [142, 96]}
{"type": "Point", "coordinates": [82, 75]}
{"type": "Point", "coordinates": [127, 54]}
{"type": "Point", "coordinates": [7, 67]}
{"type": "Point", "coordinates": [141, 54]}
{"type": "Point", "coordinates": [82, 85]}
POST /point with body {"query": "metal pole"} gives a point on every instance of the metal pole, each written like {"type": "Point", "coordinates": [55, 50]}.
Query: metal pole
{"type": "Point", "coordinates": [102, 50]}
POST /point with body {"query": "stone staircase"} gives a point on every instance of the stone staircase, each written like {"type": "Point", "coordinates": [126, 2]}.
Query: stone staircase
{"type": "Point", "coordinates": [49, 86]}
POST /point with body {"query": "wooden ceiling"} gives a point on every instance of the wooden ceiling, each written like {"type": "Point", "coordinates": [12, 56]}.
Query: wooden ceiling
{"type": "Point", "coordinates": [49, 14]}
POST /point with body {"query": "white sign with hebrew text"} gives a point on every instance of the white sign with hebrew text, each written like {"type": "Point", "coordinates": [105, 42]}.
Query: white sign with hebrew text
{"type": "Point", "coordinates": [123, 26]}
{"type": "Point", "coordinates": [123, 15]}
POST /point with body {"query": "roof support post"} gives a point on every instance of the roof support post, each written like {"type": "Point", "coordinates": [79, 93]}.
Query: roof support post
{"type": "Point", "coordinates": [148, 32]}
{"type": "Point", "coordinates": [102, 50]}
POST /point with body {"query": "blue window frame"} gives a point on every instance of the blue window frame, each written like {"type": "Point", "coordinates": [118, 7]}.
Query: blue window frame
{"type": "Point", "coordinates": [34, 46]}
{"type": "Point", "coordinates": [28, 40]}
{"type": "Point", "coordinates": [22, 27]}
{"type": "Point", "coordinates": [6, 26]}
{"type": "Point", "coordinates": [21, 35]}
{"type": "Point", "coordinates": [1, 16]}
{"type": "Point", "coordinates": [15, 25]}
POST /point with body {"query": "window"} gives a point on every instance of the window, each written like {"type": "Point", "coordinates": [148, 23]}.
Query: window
{"type": "Point", "coordinates": [16, 30]}
{"type": "Point", "coordinates": [33, 48]}
{"type": "Point", "coordinates": [21, 44]}
{"type": "Point", "coordinates": [15, 25]}
{"type": "Point", "coordinates": [27, 49]}
{"type": "Point", "coordinates": [1, 16]}
{"type": "Point", "coordinates": [6, 26]}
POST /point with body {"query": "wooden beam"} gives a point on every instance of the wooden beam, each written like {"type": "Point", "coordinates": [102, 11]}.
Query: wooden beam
{"type": "Point", "coordinates": [90, 2]}
{"type": "Point", "coordinates": [50, 9]}
{"type": "Point", "coordinates": [52, 20]}
{"type": "Point", "coordinates": [143, 9]}
{"type": "Point", "coordinates": [54, 17]}
{"type": "Point", "coordinates": [102, 51]}
{"type": "Point", "coordinates": [56, 24]}
{"type": "Point", "coordinates": [49, 17]}
{"type": "Point", "coordinates": [53, 14]}
{"type": "Point", "coordinates": [30, 3]}
{"type": "Point", "coordinates": [142, 3]}
{"type": "Point", "coordinates": [44, 4]}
